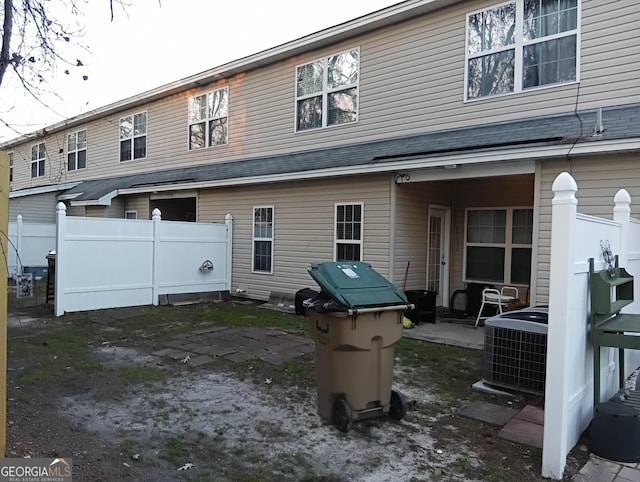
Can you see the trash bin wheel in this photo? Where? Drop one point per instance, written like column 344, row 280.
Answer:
column 341, row 414
column 397, row 406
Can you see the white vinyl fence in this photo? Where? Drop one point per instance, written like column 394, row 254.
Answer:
column 110, row 263
column 575, row 238
column 29, row 244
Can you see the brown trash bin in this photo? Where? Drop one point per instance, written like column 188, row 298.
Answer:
column 354, row 360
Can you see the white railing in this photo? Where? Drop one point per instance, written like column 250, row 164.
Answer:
column 29, row 244
column 109, row 263
column 575, row 238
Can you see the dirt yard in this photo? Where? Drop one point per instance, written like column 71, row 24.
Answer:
column 88, row 386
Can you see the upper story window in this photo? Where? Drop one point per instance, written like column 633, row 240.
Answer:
column 11, row 167
column 208, row 119
column 133, row 137
column 77, row 150
column 38, row 160
column 263, row 239
column 520, row 45
column 327, row 91
column 348, row 232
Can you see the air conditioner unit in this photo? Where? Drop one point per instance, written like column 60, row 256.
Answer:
column 515, row 350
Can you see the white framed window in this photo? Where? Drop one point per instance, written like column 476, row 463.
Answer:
column 38, row 160
column 77, row 150
column 520, row 45
column 10, row 167
column 133, row 137
column 131, row 214
column 348, row 231
column 327, row 91
column 262, row 239
column 208, row 119
column 498, row 244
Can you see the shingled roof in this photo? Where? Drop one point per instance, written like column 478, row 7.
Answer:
column 569, row 129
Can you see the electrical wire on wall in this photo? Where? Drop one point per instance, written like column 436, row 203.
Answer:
column 577, row 139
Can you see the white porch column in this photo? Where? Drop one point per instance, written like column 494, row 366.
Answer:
column 559, row 340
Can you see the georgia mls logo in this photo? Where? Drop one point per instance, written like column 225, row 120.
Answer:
column 59, row 468
column 35, row 470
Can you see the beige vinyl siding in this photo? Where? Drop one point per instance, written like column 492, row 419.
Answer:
column 39, row 208
column 115, row 210
column 411, row 224
column 76, row 211
column 598, row 180
column 411, row 81
column 303, row 227
column 140, row 204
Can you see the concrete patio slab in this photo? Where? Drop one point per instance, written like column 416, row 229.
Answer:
column 166, row 352
column 525, row 428
column 531, row 414
column 180, row 355
column 238, row 357
column 488, row 412
column 449, row 332
column 205, row 349
column 200, row 360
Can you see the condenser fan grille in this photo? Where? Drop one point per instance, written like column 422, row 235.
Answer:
column 516, row 357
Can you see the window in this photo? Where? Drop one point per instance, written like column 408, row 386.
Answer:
column 208, row 119
column 348, row 242
column 38, row 158
column 520, row 45
column 263, row 239
column 133, row 137
column 327, row 91
column 498, row 245
column 11, row 167
column 131, row 214
column 77, row 150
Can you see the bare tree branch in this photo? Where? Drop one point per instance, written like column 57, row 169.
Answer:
column 7, row 29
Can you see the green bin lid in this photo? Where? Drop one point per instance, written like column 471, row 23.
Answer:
column 355, row 284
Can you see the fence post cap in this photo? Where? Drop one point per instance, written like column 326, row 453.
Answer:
column 564, row 182
column 622, row 197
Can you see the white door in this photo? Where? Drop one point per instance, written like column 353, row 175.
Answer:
column 438, row 254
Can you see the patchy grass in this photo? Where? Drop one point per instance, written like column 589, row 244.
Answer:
column 139, row 374
column 54, row 357
column 61, row 351
column 451, row 369
column 176, row 450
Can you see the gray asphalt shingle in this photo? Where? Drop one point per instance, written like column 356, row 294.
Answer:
column 622, row 122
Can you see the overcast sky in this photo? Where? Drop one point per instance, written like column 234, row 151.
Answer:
column 156, row 42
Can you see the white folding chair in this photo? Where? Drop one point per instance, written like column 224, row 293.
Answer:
column 502, row 298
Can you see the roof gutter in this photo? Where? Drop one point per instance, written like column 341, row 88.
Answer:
column 42, row 190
